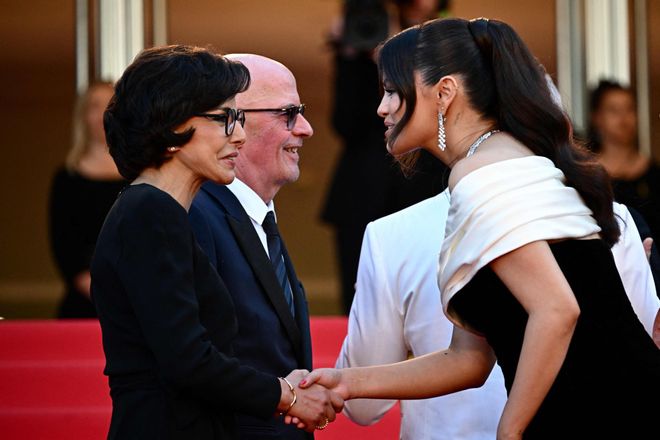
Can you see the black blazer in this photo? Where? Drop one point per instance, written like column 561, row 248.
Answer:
column 269, row 338
column 168, row 321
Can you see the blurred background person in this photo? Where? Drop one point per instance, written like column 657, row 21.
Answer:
column 635, row 177
column 613, row 137
column 82, row 192
column 367, row 183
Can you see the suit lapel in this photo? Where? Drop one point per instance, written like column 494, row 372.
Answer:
column 249, row 242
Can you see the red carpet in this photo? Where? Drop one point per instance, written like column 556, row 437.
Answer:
column 52, row 385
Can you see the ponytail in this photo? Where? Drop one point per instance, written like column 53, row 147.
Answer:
column 506, row 83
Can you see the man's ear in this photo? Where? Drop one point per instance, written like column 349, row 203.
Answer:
column 445, row 89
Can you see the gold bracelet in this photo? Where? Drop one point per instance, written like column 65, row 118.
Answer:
column 293, row 391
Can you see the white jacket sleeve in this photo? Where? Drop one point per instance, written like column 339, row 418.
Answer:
column 634, row 269
column 375, row 325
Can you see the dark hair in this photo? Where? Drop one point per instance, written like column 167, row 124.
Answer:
column 505, row 83
column 596, row 98
column 161, row 89
column 396, row 65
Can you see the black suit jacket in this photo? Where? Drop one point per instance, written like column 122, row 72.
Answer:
column 269, row 337
column 167, row 322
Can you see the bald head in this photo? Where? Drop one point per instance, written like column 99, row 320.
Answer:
column 267, row 76
column 269, row 157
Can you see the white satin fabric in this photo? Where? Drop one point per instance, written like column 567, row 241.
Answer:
column 500, row 207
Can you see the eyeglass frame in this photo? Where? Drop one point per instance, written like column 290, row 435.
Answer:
column 229, row 118
column 291, row 111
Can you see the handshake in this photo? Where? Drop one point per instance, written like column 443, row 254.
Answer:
column 306, row 404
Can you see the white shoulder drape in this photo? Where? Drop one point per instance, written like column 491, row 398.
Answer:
column 501, row 207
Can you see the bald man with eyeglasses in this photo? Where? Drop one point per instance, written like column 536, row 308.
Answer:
column 236, row 225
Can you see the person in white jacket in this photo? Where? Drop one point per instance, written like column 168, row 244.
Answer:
column 396, row 313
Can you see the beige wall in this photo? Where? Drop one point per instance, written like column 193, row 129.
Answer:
column 36, row 97
column 534, row 21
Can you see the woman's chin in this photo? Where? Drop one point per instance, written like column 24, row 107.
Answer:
column 395, row 149
column 400, row 150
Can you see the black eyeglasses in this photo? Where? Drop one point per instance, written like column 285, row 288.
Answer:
column 291, row 113
column 229, row 118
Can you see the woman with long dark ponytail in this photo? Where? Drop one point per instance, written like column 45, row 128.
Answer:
column 526, row 273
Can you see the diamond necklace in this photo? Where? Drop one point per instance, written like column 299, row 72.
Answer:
column 478, row 142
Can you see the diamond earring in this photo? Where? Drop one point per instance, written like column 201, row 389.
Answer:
column 441, row 132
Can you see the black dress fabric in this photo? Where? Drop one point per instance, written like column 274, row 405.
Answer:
column 610, row 379
column 78, row 206
column 168, row 322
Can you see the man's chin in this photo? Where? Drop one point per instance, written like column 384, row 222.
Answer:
column 293, row 175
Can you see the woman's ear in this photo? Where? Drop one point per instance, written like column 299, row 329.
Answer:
column 446, row 89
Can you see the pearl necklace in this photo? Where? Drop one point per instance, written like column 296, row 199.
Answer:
column 478, row 142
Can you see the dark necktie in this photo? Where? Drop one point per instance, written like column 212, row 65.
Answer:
column 276, row 258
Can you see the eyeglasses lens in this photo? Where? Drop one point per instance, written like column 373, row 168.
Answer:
column 292, row 115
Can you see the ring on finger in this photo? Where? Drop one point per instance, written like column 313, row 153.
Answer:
column 323, row 425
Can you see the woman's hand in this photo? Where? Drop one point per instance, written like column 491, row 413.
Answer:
column 648, row 245
column 315, row 406
column 327, row 379
column 656, row 330
column 83, row 282
column 330, row 378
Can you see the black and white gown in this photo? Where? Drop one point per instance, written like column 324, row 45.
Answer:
column 609, row 383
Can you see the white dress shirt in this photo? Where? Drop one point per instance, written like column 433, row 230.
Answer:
column 397, row 311
column 254, row 206
column 631, row 261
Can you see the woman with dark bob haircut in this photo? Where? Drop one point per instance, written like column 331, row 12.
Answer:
column 526, row 272
column 167, row 318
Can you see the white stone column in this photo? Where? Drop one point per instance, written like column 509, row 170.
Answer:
column 82, row 45
column 121, row 35
column 642, row 77
column 570, row 60
column 159, row 13
column 607, row 41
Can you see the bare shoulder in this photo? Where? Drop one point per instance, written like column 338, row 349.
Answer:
column 497, row 148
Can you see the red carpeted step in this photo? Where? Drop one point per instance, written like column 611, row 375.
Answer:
column 50, row 340
column 55, row 424
column 328, row 334
column 52, row 385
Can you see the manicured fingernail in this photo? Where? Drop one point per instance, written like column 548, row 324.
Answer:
column 303, row 382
